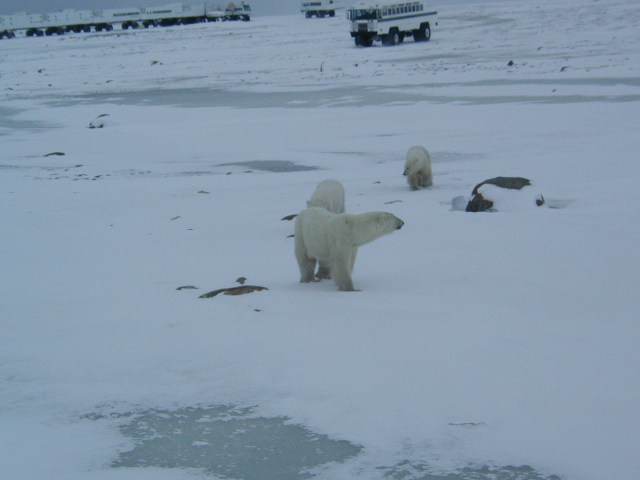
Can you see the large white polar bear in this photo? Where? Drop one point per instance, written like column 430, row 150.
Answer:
column 333, row 240
column 417, row 168
column 329, row 194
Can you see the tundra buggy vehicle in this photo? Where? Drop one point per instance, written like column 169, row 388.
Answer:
column 390, row 22
column 319, row 8
column 242, row 11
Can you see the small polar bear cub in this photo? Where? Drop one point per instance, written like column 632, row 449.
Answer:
column 329, row 194
column 333, row 239
column 417, row 168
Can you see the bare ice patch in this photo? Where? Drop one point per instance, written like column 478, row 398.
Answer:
column 277, row 166
column 226, row 441
column 9, row 122
column 407, row 470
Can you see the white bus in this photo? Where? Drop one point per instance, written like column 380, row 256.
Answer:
column 320, row 8
column 390, row 22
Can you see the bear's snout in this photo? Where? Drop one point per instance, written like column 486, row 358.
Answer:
column 399, row 224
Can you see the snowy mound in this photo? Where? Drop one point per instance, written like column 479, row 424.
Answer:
column 511, row 200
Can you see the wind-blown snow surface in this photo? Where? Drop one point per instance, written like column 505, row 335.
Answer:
column 478, row 341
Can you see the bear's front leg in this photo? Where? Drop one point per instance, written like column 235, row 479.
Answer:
column 341, row 266
column 414, row 181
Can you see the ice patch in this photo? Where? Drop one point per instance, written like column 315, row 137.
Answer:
column 227, row 441
column 406, row 470
column 277, row 166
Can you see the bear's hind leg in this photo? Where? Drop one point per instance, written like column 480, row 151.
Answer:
column 426, row 179
column 307, row 268
column 306, row 264
column 324, row 271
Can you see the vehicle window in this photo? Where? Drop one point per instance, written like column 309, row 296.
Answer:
column 363, row 14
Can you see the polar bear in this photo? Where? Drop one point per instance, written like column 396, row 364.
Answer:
column 417, row 168
column 333, row 239
column 329, row 194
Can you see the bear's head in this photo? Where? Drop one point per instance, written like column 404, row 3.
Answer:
column 411, row 166
column 387, row 222
column 366, row 227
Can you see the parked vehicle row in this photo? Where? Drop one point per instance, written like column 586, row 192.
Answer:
column 71, row 20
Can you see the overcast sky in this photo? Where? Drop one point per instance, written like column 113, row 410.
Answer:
column 259, row 7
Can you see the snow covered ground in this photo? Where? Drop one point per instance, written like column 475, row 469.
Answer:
column 481, row 345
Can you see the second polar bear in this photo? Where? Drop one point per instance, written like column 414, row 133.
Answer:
column 332, row 240
column 329, row 194
column 417, row 168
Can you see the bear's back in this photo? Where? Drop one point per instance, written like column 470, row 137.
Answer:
column 328, row 194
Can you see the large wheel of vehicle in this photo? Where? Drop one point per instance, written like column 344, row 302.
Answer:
column 427, row 33
column 332, row 13
column 422, row 35
column 393, row 38
column 320, row 14
column 363, row 41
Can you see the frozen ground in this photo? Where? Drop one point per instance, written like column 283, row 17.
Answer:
column 481, row 345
